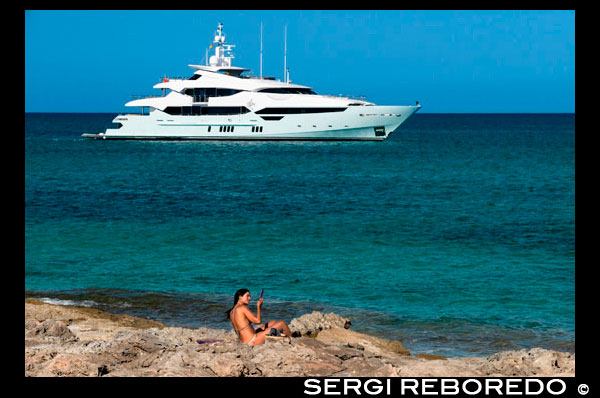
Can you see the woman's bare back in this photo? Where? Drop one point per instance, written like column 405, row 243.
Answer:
column 241, row 323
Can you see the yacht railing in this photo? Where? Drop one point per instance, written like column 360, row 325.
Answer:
column 258, row 77
column 358, row 97
column 349, row 96
column 141, row 96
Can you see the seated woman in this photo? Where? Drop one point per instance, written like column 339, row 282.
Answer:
column 242, row 318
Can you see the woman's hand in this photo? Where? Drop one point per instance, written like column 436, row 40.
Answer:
column 259, row 303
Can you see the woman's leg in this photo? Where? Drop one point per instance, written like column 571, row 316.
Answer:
column 259, row 338
column 279, row 325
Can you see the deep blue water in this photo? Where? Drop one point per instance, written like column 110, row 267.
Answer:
column 456, row 235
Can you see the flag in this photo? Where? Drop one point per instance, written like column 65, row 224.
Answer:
column 211, row 46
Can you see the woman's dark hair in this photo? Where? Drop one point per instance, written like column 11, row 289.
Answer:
column 236, row 297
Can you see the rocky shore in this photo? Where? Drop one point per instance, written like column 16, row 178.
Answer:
column 84, row 342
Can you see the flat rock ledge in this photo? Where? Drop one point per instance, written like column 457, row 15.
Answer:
column 83, row 342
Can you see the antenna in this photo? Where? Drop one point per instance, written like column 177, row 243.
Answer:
column 285, row 55
column 261, row 47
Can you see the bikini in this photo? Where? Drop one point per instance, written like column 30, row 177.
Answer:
column 249, row 342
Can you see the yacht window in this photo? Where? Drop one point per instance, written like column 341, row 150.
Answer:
column 286, row 111
column 206, row 110
column 198, row 94
column 225, row 92
column 201, row 94
column 173, row 110
column 224, row 110
column 287, row 90
column 210, row 92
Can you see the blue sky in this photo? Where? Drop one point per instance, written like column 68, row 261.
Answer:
column 449, row 61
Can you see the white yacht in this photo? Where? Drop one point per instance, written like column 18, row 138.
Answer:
column 218, row 102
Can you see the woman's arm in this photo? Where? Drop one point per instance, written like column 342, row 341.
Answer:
column 250, row 315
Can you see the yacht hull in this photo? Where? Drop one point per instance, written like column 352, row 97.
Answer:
column 356, row 123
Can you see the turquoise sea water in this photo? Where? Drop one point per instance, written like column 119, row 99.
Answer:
column 456, row 235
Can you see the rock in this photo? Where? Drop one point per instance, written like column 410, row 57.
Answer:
column 372, row 345
column 67, row 341
column 49, row 330
column 311, row 324
column 357, row 367
column 431, row 357
column 535, row 362
column 69, row 365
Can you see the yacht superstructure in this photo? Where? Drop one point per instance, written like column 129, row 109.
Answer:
column 218, row 103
